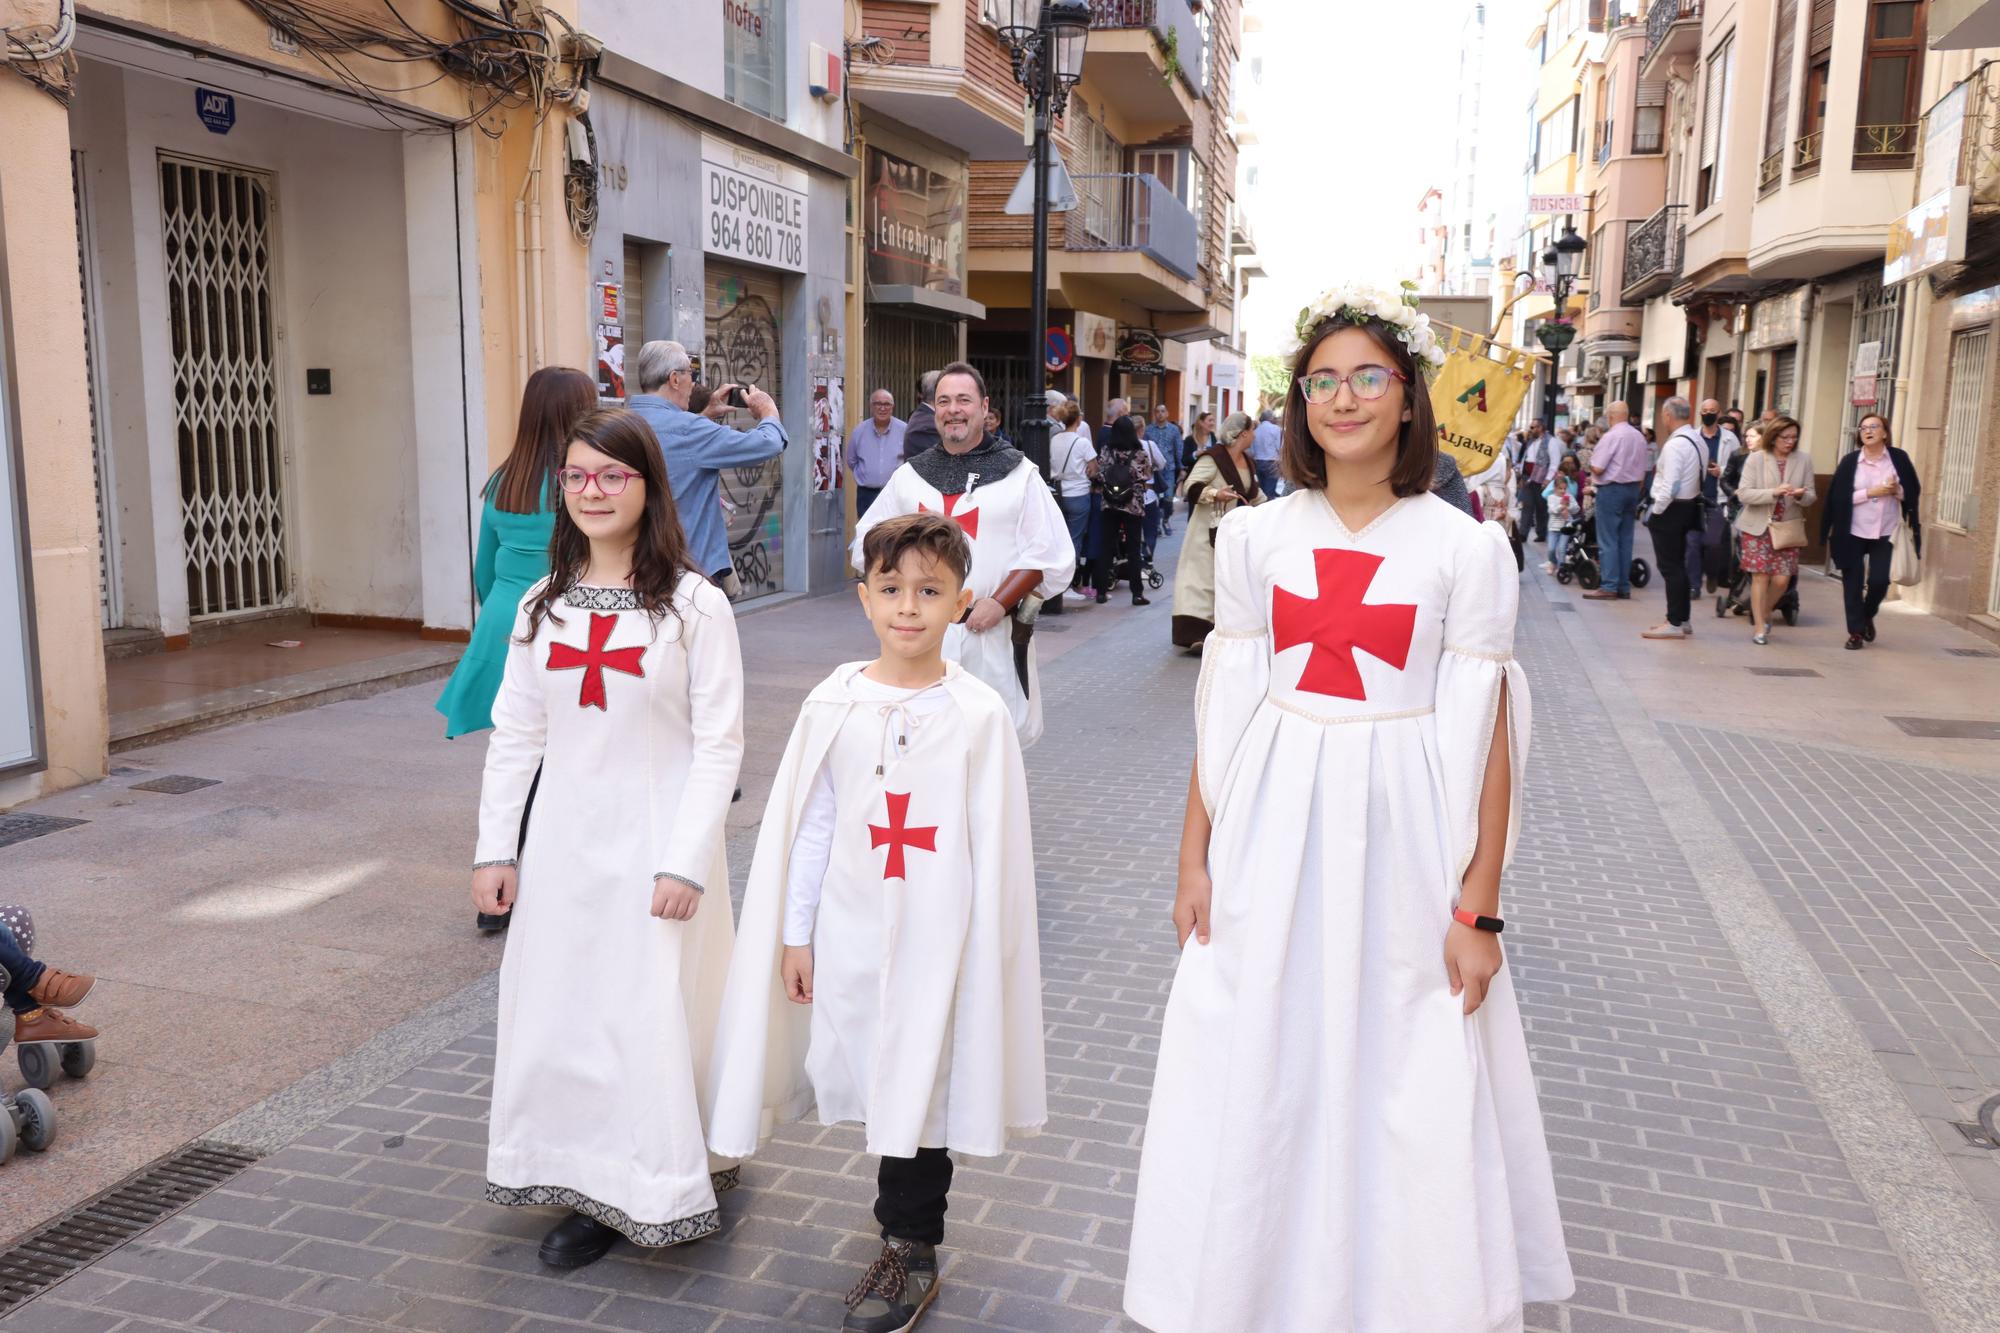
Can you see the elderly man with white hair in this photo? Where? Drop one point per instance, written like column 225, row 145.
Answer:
column 1677, row 511
column 698, row 447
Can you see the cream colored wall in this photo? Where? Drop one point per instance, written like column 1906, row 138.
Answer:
column 1722, row 230
column 54, row 406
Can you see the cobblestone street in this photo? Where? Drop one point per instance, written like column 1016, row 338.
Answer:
column 1755, row 1025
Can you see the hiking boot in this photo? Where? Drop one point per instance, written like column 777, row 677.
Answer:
column 895, row 1291
column 47, row 1027
column 64, row 990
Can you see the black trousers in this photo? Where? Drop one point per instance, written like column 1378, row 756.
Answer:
column 1118, row 557
column 1534, row 511
column 910, row 1196
column 1671, row 527
column 1864, row 579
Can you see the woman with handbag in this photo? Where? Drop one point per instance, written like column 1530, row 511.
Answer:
column 1221, row 479
column 1776, row 487
column 1070, row 453
column 1870, row 525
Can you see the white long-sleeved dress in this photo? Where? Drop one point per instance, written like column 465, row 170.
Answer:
column 1332, row 1143
column 607, row 1012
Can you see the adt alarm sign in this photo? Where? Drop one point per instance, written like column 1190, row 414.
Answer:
column 217, row 110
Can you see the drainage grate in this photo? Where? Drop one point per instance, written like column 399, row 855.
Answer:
column 175, row 784
column 1972, row 652
column 19, row 828
column 1949, row 728
column 88, row 1233
column 1974, row 1135
column 1784, row 671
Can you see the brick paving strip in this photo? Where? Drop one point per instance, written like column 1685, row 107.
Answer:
column 1703, row 1175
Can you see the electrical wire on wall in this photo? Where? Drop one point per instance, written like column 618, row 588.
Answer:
column 42, row 54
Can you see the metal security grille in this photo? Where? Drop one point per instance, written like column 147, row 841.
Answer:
column 1965, row 406
column 110, row 603
column 898, row 350
column 1878, row 318
column 1784, row 380
column 217, row 222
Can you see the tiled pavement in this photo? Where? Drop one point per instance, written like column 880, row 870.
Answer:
column 1701, row 1186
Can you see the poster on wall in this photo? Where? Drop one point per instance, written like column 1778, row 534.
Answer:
column 916, row 224
column 829, row 410
column 610, row 361
column 754, row 206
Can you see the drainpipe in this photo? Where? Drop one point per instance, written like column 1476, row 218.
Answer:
column 520, row 295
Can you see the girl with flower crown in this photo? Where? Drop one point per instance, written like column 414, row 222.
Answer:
column 1344, row 1132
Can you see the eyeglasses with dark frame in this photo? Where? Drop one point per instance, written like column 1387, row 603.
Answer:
column 610, row 480
column 1368, row 383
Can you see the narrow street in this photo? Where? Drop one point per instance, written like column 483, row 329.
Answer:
column 1752, row 930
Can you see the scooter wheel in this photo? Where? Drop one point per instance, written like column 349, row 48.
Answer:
column 38, row 1066
column 1564, row 576
column 10, row 1137
column 1642, row 573
column 38, row 1119
column 79, row 1058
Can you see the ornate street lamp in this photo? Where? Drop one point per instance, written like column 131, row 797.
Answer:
column 1046, row 39
column 1561, row 261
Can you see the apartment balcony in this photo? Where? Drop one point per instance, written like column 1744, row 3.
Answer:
column 1885, row 147
column 1673, row 31
column 1133, row 212
column 1147, row 58
column 1128, row 248
column 1653, row 254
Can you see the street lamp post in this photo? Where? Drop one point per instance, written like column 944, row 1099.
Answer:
column 1046, row 39
column 1560, row 261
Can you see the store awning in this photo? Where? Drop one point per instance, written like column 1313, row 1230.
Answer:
column 925, row 299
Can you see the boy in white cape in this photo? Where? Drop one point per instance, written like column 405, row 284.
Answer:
column 886, row 963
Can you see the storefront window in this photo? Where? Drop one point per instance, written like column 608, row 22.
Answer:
column 753, row 55
column 742, row 315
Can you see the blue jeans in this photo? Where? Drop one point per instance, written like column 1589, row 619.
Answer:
column 1076, row 513
column 1617, row 514
column 23, row 971
column 1558, row 546
column 1267, row 477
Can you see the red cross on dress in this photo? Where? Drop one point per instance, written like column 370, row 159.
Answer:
column 969, row 520
column 594, row 659
column 1337, row 622
column 899, row 835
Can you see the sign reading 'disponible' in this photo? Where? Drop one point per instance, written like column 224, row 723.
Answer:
column 756, row 206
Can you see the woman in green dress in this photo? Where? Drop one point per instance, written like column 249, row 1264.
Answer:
column 514, row 531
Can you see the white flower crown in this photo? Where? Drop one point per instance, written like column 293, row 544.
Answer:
column 1397, row 309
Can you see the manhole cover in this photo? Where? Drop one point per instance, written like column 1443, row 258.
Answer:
column 1972, row 652
column 1949, row 728
column 1784, row 671
column 88, row 1233
column 19, row 828
column 175, row 784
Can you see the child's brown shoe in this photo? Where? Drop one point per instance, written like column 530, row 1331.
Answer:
column 64, row 990
column 47, row 1027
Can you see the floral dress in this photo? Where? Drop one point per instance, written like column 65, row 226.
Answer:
column 1760, row 557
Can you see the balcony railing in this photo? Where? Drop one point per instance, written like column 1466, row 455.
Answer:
column 1978, row 164
column 1661, row 18
column 1806, row 151
column 1653, row 254
column 1770, row 172
column 1172, row 21
column 1884, row 147
column 1133, row 211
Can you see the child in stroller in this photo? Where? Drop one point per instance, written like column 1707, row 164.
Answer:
column 1563, row 498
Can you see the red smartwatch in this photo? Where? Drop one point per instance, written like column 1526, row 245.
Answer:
column 1478, row 922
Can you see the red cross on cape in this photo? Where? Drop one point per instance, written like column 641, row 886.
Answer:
column 969, row 519
column 594, row 660
column 1336, row 622
column 899, row 836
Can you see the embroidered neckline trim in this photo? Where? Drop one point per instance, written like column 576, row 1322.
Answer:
column 586, row 598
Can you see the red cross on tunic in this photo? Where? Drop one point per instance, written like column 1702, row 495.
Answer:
column 969, row 520
column 1336, row 622
column 594, row 659
column 899, row 835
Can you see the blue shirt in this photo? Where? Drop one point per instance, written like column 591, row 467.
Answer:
column 696, row 450
column 1267, row 443
column 1168, row 436
column 873, row 456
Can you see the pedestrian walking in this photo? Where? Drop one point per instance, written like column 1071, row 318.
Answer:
column 697, row 447
column 1165, row 436
column 1264, row 451
column 1123, row 472
column 1617, row 466
column 1871, row 504
column 993, row 428
column 624, row 685
column 1676, row 512
column 1221, row 479
column 1344, row 1131
column 875, row 449
column 1708, row 544
column 1021, row 552
column 1159, row 500
column 891, row 905
column 1564, row 501
column 1199, row 438
column 1069, row 475
column 1775, row 489
column 1540, row 452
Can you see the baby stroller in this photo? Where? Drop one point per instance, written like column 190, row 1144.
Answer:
column 1581, row 560
column 28, row 1118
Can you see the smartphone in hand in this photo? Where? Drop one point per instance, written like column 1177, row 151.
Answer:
column 737, row 398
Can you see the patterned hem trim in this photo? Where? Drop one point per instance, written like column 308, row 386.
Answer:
column 601, row 599
column 1484, row 657
column 1278, row 703
column 652, row 1235
column 481, row 865
column 1236, row 634
column 680, row 879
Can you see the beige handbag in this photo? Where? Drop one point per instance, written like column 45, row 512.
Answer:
column 1787, row 534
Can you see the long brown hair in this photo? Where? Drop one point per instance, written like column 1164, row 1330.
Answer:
column 1302, row 460
column 660, row 555
column 555, row 399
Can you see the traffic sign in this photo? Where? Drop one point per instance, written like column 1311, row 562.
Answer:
column 1057, row 350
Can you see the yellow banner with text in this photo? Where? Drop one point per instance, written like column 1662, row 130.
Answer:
column 1475, row 396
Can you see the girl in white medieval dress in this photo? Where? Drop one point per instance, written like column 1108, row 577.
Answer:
column 1344, row 1133
column 624, row 684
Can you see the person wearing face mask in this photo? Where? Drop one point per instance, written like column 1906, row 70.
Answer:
column 1708, row 550
column 1021, row 549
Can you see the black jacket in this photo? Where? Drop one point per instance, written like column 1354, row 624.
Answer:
column 1836, row 517
column 921, row 433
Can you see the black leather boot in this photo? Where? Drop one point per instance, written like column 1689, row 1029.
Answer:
column 489, row 922
column 577, row 1240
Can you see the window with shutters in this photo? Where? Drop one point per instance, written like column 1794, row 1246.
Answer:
column 1649, row 117
column 1714, row 116
column 1892, row 72
column 1556, row 136
column 1965, row 409
column 1776, row 129
column 1808, row 148
column 1784, row 379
